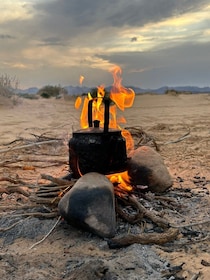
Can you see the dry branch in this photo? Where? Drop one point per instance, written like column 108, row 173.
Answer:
column 13, row 189
column 17, row 207
column 144, row 238
column 131, row 219
column 11, row 180
column 13, row 225
column 196, row 276
column 40, row 241
column 37, row 214
column 148, row 213
column 28, row 145
column 6, row 162
column 57, row 181
column 191, row 225
column 142, row 138
column 51, row 193
column 186, row 135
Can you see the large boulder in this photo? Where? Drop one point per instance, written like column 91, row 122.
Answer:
column 146, row 167
column 90, row 205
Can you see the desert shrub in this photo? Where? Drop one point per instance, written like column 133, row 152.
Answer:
column 28, row 95
column 171, row 92
column 5, row 92
column 8, row 86
column 51, row 91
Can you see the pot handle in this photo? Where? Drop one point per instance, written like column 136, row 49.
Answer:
column 106, row 114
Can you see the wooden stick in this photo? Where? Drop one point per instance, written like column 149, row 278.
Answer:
column 13, row 225
column 186, row 135
column 11, row 180
column 17, row 207
column 12, row 189
column 144, row 238
column 37, row 214
column 52, row 200
column 191, row 225
column 57, row 181
column 196, row 276
column 43, row 239
column 51, row 189
column 131, row 219
column 28, row 145
column 148, row 213
column 6, row 162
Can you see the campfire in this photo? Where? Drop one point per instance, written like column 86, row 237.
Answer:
column 98, row 153
column 107, row 172
column 44, row 186
column 101, row 145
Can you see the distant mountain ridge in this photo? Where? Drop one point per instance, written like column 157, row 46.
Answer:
column 78, row 90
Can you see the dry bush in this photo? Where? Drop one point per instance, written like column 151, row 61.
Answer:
column 8, row 85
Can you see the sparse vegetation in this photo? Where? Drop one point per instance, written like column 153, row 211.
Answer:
column 8, row 85
column 28, row 95
column 52, row 91
column 176, row 92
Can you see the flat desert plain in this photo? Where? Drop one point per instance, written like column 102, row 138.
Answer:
column 180, row 125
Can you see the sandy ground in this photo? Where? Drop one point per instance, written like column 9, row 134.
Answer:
column 167, row 119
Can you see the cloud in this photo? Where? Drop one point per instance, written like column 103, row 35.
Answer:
column 6, row 36
column 186, row 64
column 134, row 39
column 52, row 41
column 115, row 13
column 105, row 24
column 63, row 39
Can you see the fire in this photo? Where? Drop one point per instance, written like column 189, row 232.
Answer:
column 123, row 97
column 81, row 79
column 119, row 98
column 121, row 182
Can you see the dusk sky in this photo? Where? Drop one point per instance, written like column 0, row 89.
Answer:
column 155, row 42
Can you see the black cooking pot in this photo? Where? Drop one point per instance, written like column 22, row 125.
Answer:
column 96, row 149
column 93, row 150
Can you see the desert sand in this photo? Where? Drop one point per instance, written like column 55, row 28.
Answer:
column 180, row 125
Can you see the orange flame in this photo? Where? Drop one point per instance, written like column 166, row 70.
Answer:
column 123, row 97
column 120, row 97
column 121, row 182
column 81, row 79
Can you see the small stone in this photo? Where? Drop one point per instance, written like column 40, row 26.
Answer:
column 146, row 167
column 90, row 205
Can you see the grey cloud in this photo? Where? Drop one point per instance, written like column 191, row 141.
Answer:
column 6, row 36
column 187, row 64
column 94, row 23
column 83, row 22
column 52, row 41
column 134, row 39
column 116, row 13
column 88, row 22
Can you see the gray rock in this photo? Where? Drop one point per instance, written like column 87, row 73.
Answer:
column 90, row 205
column 146, row 167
